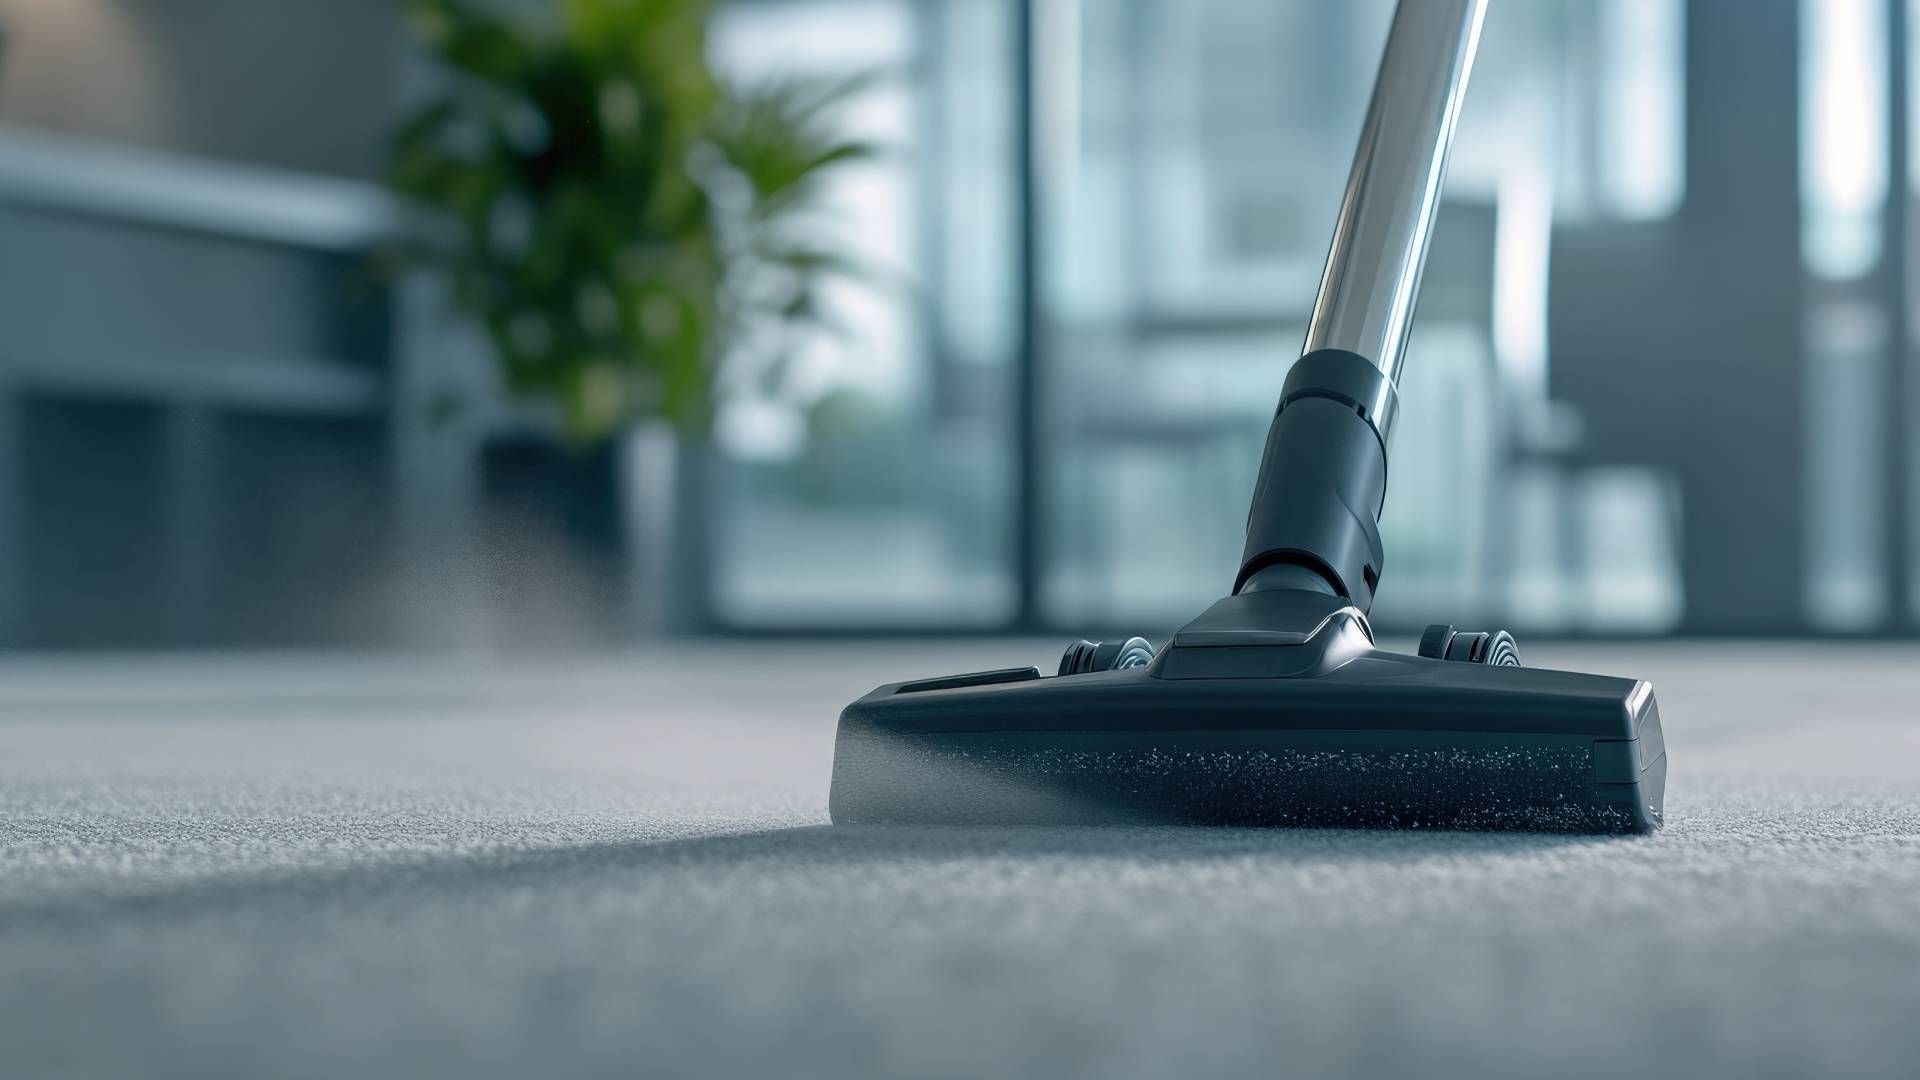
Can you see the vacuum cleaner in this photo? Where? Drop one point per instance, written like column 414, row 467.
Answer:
column 1274, row 706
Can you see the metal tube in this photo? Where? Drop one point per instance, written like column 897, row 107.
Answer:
column 1372, row 279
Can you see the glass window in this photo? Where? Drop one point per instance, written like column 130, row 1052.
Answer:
column 873, row 486
column 1843, row 191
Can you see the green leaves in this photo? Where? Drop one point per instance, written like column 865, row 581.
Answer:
column 779, row 135
column 471, row 40
column 622, row 224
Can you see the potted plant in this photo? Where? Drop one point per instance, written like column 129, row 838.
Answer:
column 637, row 236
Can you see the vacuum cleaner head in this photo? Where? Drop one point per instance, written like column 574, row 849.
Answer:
column 1274, row 707
column 1236, row 727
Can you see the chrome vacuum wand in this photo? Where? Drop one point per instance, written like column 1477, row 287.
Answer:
column 1323, row 480
column 1379, row 249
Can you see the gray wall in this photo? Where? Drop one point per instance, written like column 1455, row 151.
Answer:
column 303, row 84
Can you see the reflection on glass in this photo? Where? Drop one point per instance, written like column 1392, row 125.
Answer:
column 1843, row 124
column 1642, row 97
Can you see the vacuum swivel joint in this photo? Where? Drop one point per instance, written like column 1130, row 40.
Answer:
column 1315, row 521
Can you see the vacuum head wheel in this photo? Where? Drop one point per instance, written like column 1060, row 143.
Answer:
column 1443, row 642
column 1083, row 656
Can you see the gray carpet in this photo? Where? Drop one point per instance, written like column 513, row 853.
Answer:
column 352, row 868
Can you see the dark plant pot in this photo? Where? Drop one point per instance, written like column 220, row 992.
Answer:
column 553, row 543
column 585, row 547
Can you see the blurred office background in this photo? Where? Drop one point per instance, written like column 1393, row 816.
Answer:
column 1661, row 380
